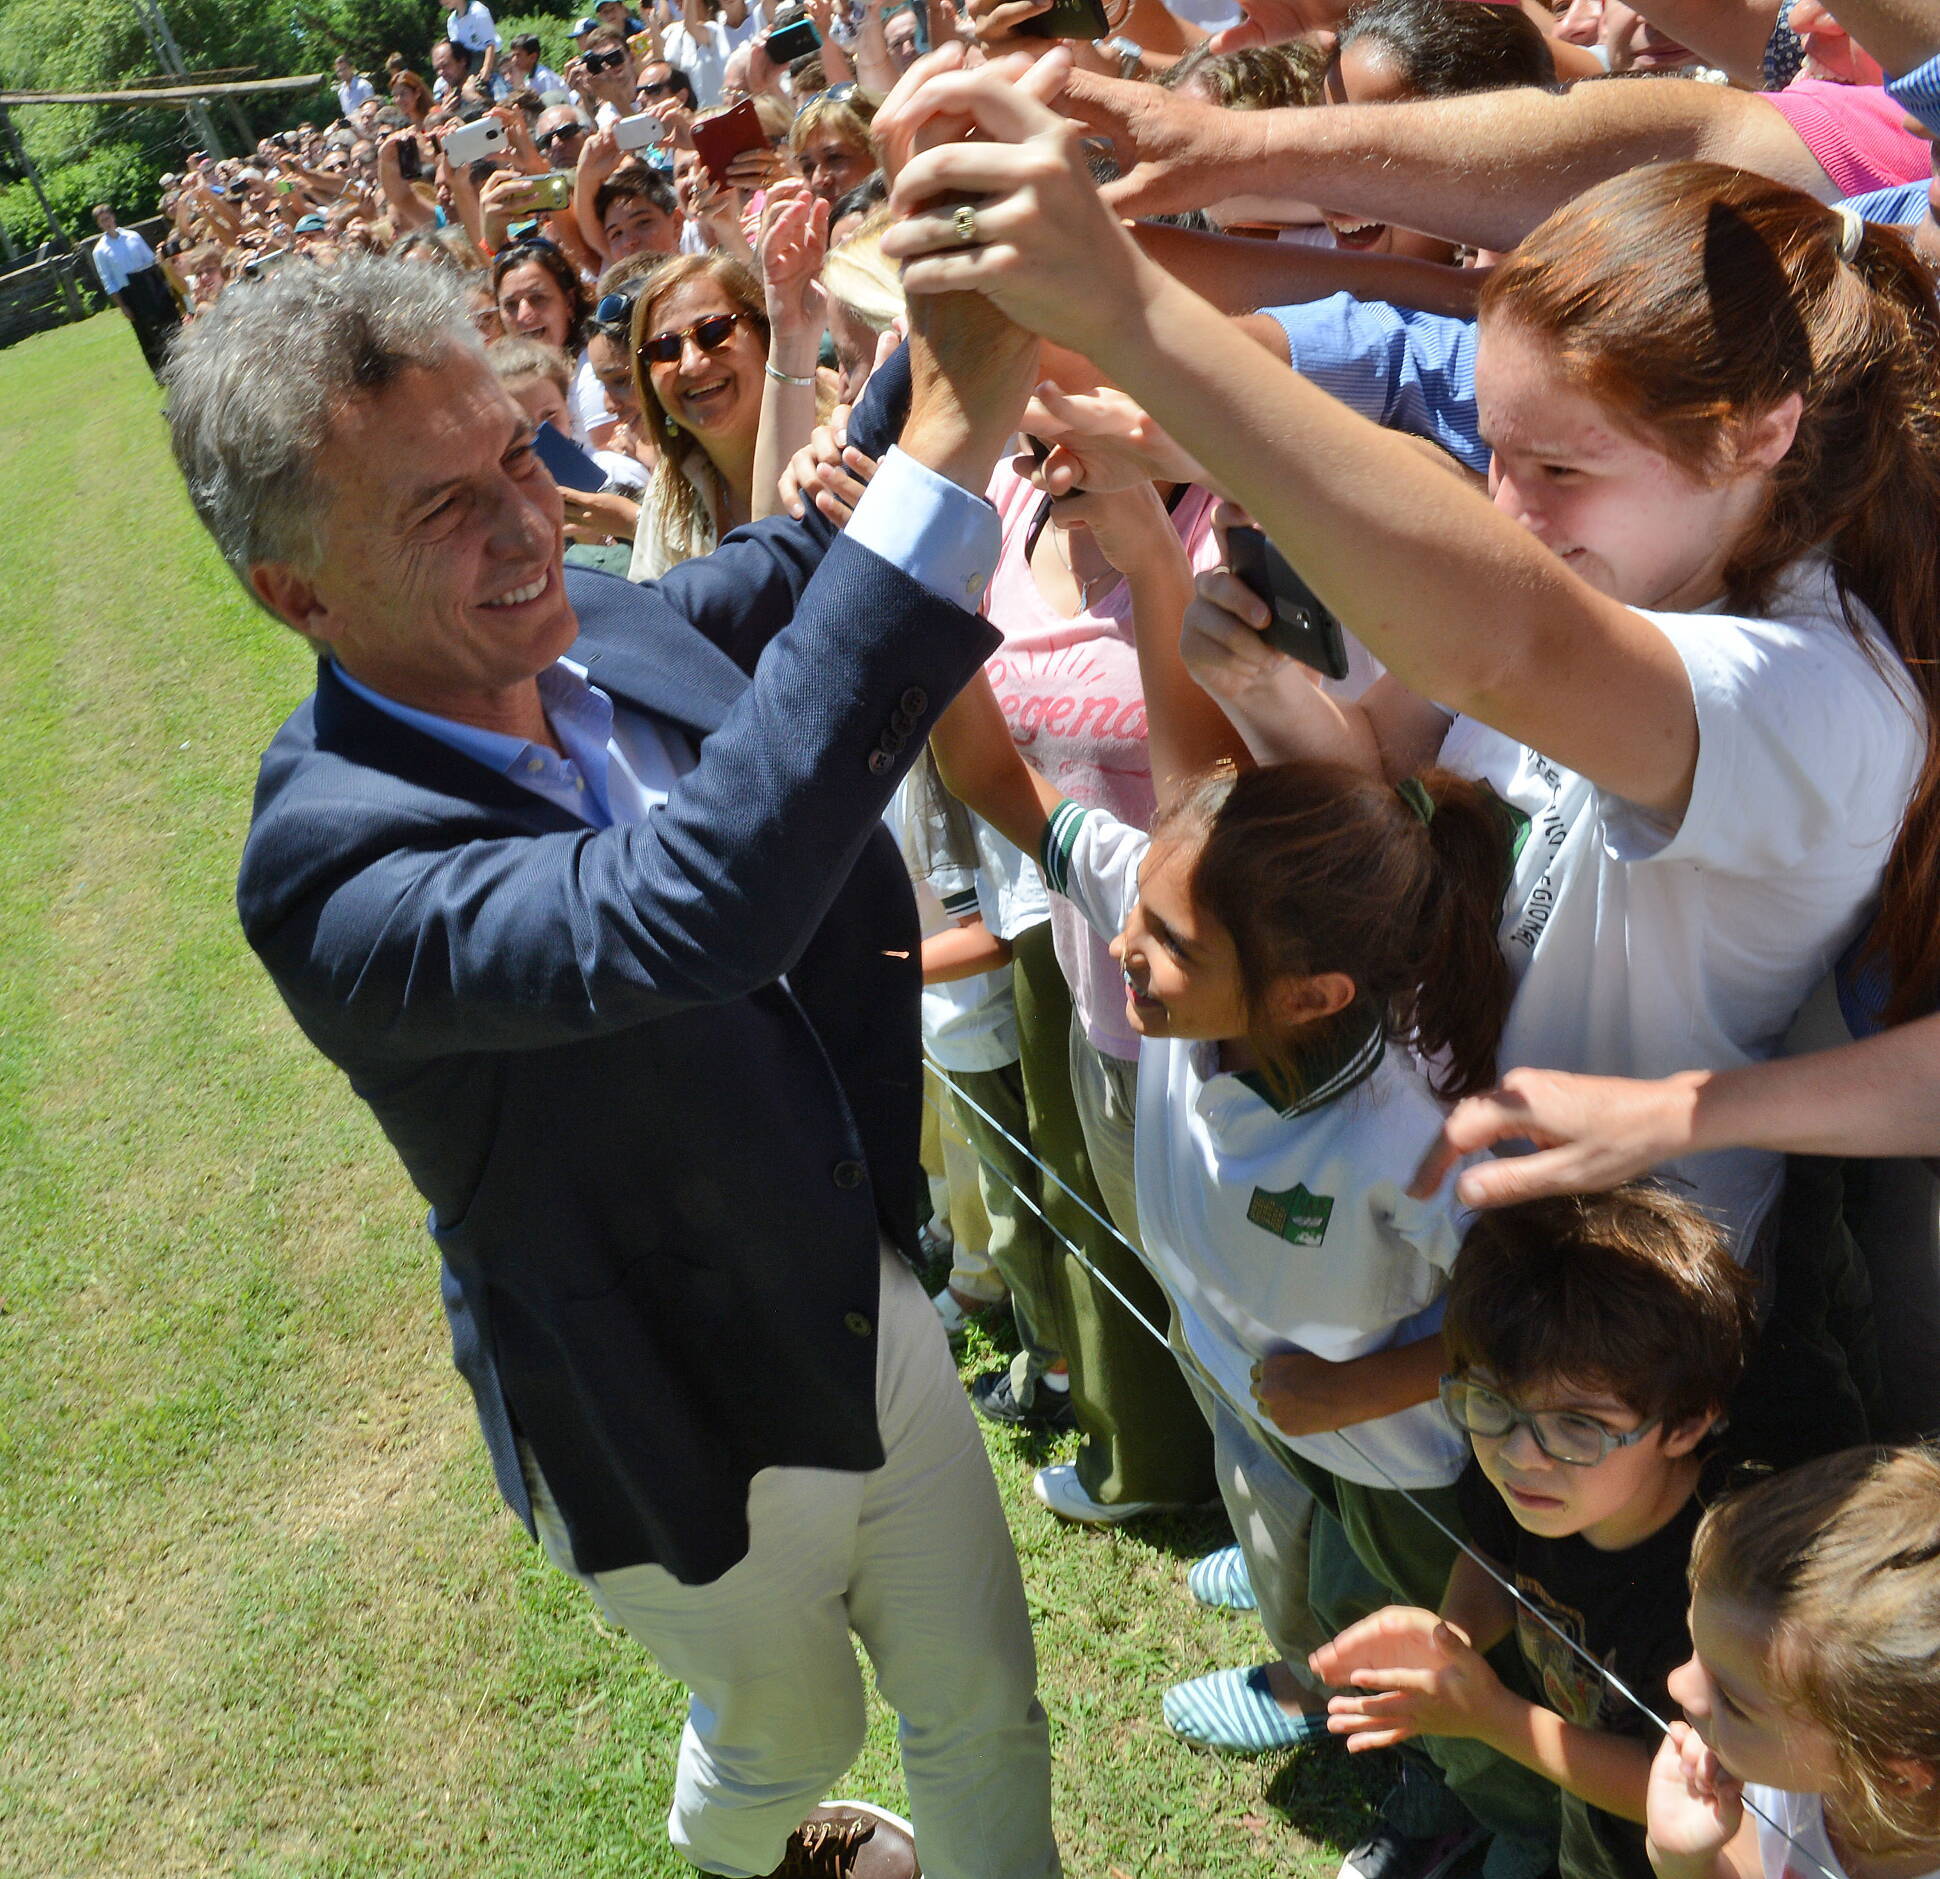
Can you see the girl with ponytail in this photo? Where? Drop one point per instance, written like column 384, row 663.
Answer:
column 1691, row 633
column 1309, row 958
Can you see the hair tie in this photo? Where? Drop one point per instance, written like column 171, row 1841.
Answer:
column 1415, row 795
column 1852, row 230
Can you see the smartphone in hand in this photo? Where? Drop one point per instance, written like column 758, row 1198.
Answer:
column 1301, row 626
column 1068, row 19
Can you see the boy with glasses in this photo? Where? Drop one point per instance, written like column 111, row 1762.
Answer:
column 1593, row 1344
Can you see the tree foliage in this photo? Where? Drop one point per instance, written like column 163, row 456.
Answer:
column 87, row 152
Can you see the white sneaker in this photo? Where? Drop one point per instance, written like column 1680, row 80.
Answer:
column 956, row 1320
column 1060, row 1490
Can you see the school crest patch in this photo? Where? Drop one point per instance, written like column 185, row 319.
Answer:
column 1293, row 1214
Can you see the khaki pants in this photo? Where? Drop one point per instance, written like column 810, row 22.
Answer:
column 916, row 1561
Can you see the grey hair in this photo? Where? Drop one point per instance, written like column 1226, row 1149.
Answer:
column 255, row 382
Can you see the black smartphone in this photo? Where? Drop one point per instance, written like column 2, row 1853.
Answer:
column 796, row 40
column 1068, row 19
column 571, row 467
column 1301, row 626
column 410, row 161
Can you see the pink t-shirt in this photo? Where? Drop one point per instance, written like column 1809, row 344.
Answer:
column 1071, row 695
column 1856, row 132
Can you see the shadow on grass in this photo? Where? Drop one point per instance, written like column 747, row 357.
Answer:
column 1329, row 1795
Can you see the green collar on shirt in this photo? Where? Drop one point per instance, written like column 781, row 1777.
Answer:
column 1346, row 1055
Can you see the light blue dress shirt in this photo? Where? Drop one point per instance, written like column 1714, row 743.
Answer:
column 1918, row 93
column 620, row 764
column 1406, row 370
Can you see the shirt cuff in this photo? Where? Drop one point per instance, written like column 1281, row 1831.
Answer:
column 934, row 530
column 1918, row 92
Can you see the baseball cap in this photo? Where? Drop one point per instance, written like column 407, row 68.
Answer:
column 590, row 24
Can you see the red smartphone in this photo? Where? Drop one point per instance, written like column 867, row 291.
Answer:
column 719, row 140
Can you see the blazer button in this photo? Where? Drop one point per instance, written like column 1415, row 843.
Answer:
column 848, row 1174
column 916, row 701
column 858, row 1324
column 902, row 723
column 881, row 762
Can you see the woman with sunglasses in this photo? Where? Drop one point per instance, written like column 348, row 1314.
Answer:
column 702, row 333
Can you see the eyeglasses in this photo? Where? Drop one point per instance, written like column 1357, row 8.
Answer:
column 656, row 87
column 1563, row 1435
column 707, row 334
column 558, row 132
column 603, row 61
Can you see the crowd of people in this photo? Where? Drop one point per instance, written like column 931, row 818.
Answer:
column 1377, row 570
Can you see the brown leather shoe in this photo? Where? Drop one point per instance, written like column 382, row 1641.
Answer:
column 850, row 1840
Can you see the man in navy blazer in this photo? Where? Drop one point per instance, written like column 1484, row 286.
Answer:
column 584, row 887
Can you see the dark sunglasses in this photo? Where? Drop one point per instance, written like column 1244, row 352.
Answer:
column 844, row 90
column 708, row 334
column 656, row 87
column 557, row 132
column 603, row 61
column 613, row 310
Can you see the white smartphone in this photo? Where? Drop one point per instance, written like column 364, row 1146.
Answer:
column 469, row 142
column 640, row 132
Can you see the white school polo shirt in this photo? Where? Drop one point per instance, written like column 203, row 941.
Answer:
column 1277, row 1229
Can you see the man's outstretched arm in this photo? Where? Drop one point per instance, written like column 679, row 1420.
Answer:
column 1483, row 170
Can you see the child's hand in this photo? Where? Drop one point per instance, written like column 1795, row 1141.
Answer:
column 1692, row 1806
column 1412, row 1673
column 1306, row 1395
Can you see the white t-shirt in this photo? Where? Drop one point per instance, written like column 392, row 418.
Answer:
column 1273, row 1231
column 968, row 1024
column 358, row 90
column 704, row 59
column 588, row 402
column 1803, row 1817
column 1639, row 951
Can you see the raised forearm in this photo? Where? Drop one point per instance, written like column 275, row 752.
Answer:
column 963, row 953
column 1877, row 1097
column 1486, row 170
column 1238, row 275
column 970, row 372
column 1462, row 605
column 1608, row 1771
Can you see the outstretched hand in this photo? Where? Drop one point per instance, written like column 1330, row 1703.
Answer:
column 1407, row 1672
column 1038, row 241
column 1173, row 152
column 1591, row 1133
column 793, row 241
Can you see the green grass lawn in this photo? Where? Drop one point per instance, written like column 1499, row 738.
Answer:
column 261, row 1611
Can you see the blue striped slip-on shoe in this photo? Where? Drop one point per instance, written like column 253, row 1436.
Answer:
column 1220, row 1580
column 1234, row 1711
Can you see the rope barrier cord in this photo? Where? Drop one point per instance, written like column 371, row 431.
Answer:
column 1521, row 1601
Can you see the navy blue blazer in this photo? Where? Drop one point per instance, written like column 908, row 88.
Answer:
column 659, row 1083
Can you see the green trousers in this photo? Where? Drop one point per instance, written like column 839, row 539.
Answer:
column 1144, row 1439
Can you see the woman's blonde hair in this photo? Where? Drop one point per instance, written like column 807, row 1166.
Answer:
column 674, row 498
column 862, row 278
column 847, row 118
column 1843, row 1556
